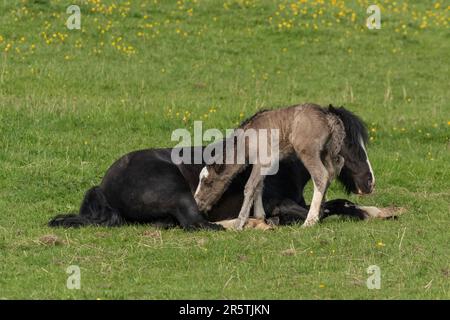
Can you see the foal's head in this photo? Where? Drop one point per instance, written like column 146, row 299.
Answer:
column 208, row 193
column 357, row 174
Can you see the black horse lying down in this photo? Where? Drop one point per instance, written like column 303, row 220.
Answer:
column 147, row 187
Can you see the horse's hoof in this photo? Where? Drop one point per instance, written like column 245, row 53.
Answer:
column 205, row 226
column 214, row 227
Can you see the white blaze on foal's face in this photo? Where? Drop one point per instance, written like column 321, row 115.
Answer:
column 203, row 175
column 368, row 162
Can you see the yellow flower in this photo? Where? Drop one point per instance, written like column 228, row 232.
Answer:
column 321, row 285
column 448, row 123
column 380, row 244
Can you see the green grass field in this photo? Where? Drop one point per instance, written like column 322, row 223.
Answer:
column 73, row 101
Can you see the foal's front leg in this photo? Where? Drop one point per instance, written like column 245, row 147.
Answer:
column 321, row 179
column 251, row 189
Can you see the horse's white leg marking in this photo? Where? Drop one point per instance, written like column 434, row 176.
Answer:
column 368, row 162
column 372, row 212
column 203, row 174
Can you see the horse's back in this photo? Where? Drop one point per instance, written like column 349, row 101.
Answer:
column 144, row 185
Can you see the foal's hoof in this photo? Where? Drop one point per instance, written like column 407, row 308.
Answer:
column 239, row 224
column 309, row 223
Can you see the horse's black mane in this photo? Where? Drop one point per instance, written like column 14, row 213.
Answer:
column 355, row 128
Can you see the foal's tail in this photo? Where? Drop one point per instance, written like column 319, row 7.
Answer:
column 95, row 210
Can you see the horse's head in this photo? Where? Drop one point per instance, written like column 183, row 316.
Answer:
column 356, row 174
column 208, row 193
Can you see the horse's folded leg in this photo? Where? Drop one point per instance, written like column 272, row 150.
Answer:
column 204, row 226
column 252, row 223
column 342, row 207
column 288, row 212
column 189, row 217
column 227, row 224
column 259, row 224
column 382, row 213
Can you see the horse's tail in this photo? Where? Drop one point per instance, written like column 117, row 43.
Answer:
column 95, row 210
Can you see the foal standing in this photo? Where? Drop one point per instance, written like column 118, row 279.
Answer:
column 314, row 135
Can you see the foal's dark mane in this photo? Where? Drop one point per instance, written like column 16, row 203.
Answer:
column 355, row 128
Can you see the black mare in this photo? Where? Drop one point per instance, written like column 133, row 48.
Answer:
column 147, row 187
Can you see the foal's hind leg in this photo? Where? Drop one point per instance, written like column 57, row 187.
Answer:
column 251, row 187
column 258, row 207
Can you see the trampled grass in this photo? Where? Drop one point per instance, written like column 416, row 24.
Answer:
column 73, row 101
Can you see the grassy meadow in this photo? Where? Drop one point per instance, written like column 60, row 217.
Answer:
column 73, row 101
